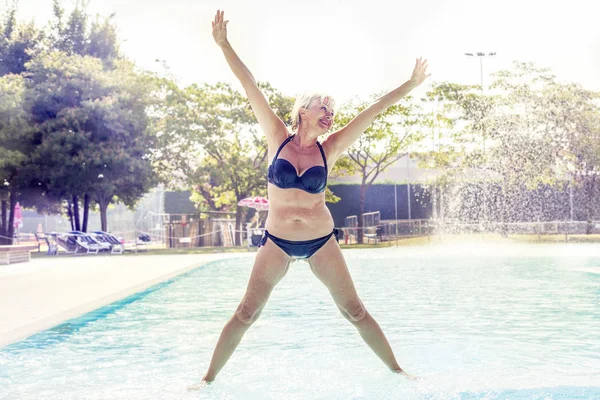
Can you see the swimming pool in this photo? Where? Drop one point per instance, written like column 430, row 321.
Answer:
column 516, row 322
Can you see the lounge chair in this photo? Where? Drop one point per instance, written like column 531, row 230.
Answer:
column 116, row 245
column 93, row 240
column 85, row 242
column 88, row 247
column 42, row 238
column 143, row 241
column 100, row 240
column 66, row 241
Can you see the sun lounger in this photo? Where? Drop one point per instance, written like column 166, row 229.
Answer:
column 44, row 238
column 66, row 241
column 101, row 241
column 116, row 245
column 88, row 247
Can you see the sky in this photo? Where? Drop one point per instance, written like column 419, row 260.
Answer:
column 353, row 48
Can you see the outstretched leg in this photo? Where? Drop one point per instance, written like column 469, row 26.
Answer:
column 329, row 266
column 270, row 265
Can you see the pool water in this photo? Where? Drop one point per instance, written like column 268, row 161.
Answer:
column 474, row 322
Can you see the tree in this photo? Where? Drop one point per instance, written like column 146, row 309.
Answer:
column 208, row 142
column 22, row 43
column 523, row 151
column 15, row 143
column 18, row 43
column 572, row 114
column 92, row 128
column 76, row 35
column 535, row 130
column 382, row 144
column 446, row 123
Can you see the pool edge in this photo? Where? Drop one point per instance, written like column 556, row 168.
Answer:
column 24, row 331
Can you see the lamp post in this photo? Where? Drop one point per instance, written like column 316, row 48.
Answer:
column 396, row 211
column 396, row 202
column 408, row 182
column 481, row 55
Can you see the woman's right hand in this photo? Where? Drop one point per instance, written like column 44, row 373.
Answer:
column 220, row 28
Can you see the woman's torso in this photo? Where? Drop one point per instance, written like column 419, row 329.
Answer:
column 296, row 214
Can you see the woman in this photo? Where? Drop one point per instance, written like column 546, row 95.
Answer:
column 299, row 224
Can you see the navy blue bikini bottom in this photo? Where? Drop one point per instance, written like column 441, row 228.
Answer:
column 298, row 248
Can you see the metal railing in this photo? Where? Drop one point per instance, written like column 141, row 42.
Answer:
column 387, row 231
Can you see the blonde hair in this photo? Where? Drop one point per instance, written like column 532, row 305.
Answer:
column 304, row 101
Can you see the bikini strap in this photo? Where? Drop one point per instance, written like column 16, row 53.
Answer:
column 323, row 154
column 281, row 146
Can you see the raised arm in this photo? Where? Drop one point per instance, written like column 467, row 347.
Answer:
column 270, row 123
column 341, row 140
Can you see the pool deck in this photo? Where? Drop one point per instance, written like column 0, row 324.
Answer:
column 45, row 292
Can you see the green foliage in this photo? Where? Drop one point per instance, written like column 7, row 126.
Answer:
column 91, row 126
column 15, row 138
column 18, row 43
column 344, row 166
column 536, row 132
column 77, row 35
column 207, row 140
column 76, row 118
column 384, row 142
column 454, row 125
column 77, row 125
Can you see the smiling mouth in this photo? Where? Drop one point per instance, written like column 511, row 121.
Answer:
column 324, row 123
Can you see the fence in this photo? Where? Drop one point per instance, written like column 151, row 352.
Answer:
column 539, row 228
column 391, row 230
column 387, row 231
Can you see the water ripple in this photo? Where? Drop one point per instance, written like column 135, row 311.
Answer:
column 473, row 326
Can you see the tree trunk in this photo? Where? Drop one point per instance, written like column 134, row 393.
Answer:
column 103, row 219
column 76, row 212
column 3, row 223
column 504, row 214
column 433, row 216
column 103, row 201
column 363, row 195
column 86, row 209
column 589, row 209
column 70, row 214
column 11, row 217
column 441, row 203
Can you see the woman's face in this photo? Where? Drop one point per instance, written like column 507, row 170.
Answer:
column 319, row 115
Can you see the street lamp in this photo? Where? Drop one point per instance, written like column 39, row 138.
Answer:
column 481, row 55
column 408, row 184
column 408, row 194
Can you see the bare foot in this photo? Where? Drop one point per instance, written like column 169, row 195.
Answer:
column 197, row 386
column 205, row 382
column 407, row 375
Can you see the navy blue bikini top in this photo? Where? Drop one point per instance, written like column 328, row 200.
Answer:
column 283, row 174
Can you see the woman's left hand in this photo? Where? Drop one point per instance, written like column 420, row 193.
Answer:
column 420, row 72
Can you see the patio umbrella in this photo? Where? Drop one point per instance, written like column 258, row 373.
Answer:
column 257, row 202
column 18, row 221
